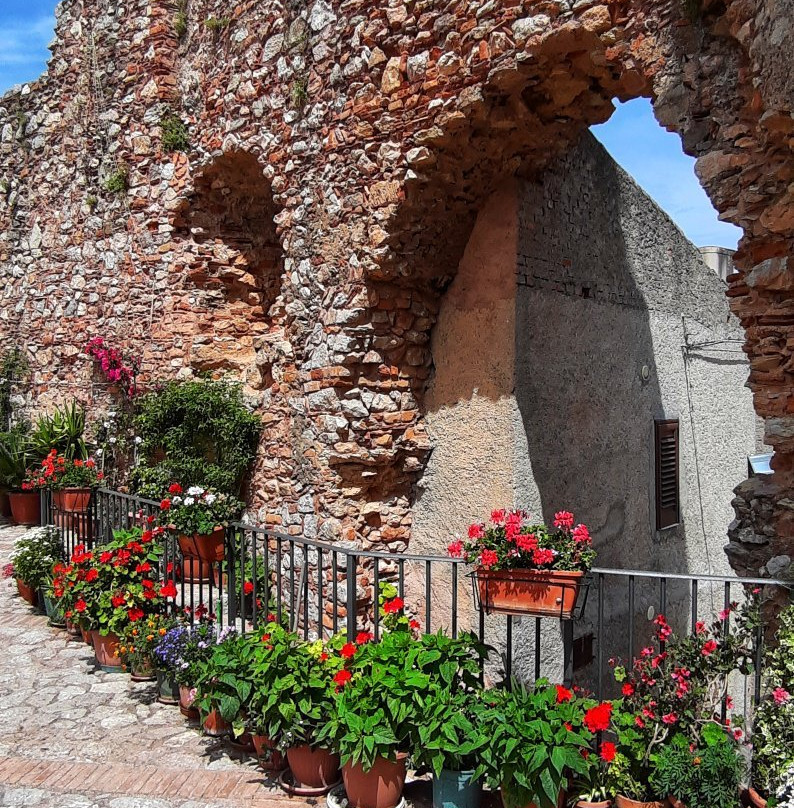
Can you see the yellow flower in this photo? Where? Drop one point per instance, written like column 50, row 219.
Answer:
column 162, row 632
column 149, row 637
column 123, row 649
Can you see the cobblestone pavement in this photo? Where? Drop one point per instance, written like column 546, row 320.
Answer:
column 75, row 737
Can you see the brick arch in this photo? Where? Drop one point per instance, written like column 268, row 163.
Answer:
column 233, row 254
column 527, row 111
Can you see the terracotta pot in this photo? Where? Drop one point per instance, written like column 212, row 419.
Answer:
column 207, row 548
column 167, row 688
column 56, row 497
column 5, row 505
column 145, row 674
column 625, row 802
column 675, row 802
column 215, row 725
column 105, row 649
column 195, row 571
column 586, row 804
column 88, row 639
column 26, row 592
column 25, row 507
column 560, row 800
column 75, row 500
column 313, row 768
column 270, row 759
column 243, row 743
column 380, row 787
column 753, row 798
column 541, row 592
column 73, row 629
column 186, row 704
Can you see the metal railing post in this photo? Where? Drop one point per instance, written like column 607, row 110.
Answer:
column 351, row 567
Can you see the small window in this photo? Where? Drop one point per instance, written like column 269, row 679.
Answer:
column 667, row 494
column 759, row 464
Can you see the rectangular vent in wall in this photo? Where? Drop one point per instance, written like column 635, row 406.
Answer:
column 666, row 442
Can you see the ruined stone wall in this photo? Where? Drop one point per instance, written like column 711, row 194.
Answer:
column 379, row 129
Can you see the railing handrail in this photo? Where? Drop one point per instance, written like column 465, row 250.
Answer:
column 411, row 557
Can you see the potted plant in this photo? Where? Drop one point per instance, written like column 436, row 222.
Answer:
column 224, row 684
column 137, row 643
column 378, row 707
column 168, row 655
column 51, row 594
column 120, row 587
column 773, row 724
column 293, row 697
column 531, row 741
column 703, row 775
column 33, row 560
column 16, row 455
column 446, row 730
column 75, row 483
column 525, row 568
column 199, row 517
column 676, row 686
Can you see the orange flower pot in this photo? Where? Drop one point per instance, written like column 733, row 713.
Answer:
column 551, row 593
column 25, row 507
column 625, row 802
column 186, row 704
column 87, row 636
column 380, row 787
column 26, row 592
column 270, row 758
column 75, row 500
column 313, row 768
column 195, row 571
column 208, row 548
column 105, row 650
column 215, row 725
column 586, row 804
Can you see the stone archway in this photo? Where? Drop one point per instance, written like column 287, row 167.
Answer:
column 236, row 260
column 528, row 110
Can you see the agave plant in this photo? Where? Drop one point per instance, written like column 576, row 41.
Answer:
column 16, row 455
column 63, row 431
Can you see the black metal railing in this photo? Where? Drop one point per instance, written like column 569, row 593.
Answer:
column 319, row 588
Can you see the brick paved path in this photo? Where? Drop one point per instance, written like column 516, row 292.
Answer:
column 72, row 736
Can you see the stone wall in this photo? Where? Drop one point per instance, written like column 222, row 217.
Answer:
column 379, row 130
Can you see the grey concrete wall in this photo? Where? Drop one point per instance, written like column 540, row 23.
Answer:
column 539, row 398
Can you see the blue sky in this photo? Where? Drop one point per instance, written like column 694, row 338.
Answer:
column 650, row 154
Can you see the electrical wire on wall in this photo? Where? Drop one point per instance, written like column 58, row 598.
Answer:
column 686, row 350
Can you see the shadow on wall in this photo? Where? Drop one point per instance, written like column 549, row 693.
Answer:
column 539, row 398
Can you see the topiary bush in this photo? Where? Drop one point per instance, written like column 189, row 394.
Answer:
column 195, row 433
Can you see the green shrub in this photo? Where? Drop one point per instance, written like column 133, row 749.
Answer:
column 773, row 729
column 16, row 455
column 217, row 23
column 200, row 432
column 706, row 776
column 63, row 431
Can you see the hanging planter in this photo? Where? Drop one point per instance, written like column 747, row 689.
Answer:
column 547, row 593
column 74, row 500
column 207, row 548
column 25, row 507
column 524, row 568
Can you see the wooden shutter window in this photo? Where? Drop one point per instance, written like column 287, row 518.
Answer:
column 667, row 493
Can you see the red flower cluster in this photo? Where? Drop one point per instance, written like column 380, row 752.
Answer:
column 597, row 719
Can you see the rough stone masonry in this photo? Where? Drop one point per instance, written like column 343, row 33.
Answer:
column 336, row 157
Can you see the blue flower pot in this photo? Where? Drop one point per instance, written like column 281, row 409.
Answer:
column 455, row 790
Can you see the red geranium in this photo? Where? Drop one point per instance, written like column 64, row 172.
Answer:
column 597, row 719
column 342, row 677
column 348, row 650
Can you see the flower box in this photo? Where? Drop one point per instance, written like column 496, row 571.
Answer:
column 208, row 548
column 546, row 593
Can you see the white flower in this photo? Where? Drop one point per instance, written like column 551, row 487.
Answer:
column 189, row 500
column 210, row 498
column 138, row 439
column 106, row 425
column 195, row 491
column 99, row 452
column 176, row 500
column 111, row 440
